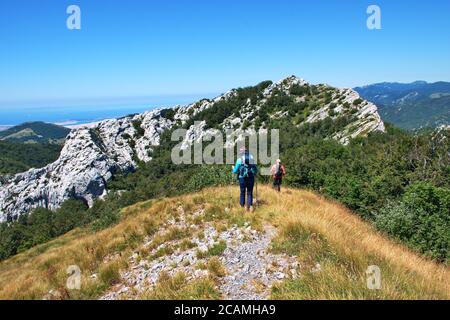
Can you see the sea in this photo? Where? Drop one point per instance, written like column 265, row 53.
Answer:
column 73, row 115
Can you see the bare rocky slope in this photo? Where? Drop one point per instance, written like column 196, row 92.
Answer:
column 91, row 156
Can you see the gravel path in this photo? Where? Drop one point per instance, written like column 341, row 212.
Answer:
column 251, row 269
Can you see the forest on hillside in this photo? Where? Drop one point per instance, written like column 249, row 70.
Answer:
column 18, row 157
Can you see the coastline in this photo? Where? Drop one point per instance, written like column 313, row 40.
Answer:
column 67, row 124
column 83, row 125
column 5, row 127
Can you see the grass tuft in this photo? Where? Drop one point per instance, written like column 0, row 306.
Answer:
column 216, row 268
column 110, row 274
column 216, row 250
column 179, row 288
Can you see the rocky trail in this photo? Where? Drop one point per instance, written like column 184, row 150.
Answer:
column 250, row 269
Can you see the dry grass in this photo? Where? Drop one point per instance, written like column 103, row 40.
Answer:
column 216, row 268
column 30, row 275
column 345, row 246
column 179, row 288
column 313, row 228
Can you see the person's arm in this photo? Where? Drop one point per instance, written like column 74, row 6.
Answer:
column 237, row 166
column 283, row 168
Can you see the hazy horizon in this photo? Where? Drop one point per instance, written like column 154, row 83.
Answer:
column 85, row 112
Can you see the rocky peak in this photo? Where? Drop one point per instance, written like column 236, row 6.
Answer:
column 285, row 85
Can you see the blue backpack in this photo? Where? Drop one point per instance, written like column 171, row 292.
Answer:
column 247, row 169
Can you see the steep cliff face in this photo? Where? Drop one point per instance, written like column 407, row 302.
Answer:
column 91, row 156
column 348, row 101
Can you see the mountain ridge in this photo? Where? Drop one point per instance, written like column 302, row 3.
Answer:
column 92, row 156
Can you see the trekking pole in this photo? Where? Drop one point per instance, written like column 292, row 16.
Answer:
column 257, row 201
column 230, row 190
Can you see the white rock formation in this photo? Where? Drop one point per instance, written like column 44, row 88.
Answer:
column 368, row 119
column 89, row 158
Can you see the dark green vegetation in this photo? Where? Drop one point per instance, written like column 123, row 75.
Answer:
column 398, row 180
column 35, row 132
column 19, row 157
column 392, row 179
column 30, row 145
column 233, row 106
column 421, row 218
column 272, row 113
column 42, row 225
column 411, row 106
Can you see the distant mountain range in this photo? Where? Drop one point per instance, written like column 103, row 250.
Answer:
column 410, row 105
column 35, row 132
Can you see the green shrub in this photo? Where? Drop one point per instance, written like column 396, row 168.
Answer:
column 357, row 102
column 137, row 126
column 421, row 219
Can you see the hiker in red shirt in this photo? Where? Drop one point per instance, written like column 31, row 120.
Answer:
column 278, row 171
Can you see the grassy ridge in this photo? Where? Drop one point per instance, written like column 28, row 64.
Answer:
column 38, row 132
column 313, row 228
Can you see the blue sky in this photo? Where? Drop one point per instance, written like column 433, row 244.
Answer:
column 134, row 49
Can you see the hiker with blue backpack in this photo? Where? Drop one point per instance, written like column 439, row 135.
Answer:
column 246, row 170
